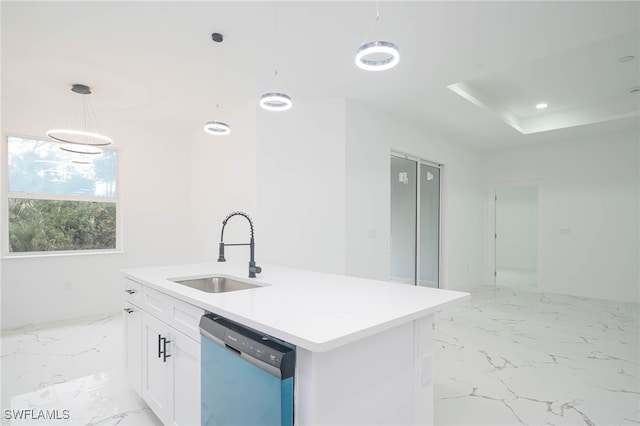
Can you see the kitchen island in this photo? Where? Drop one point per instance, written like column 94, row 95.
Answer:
column 364, row 348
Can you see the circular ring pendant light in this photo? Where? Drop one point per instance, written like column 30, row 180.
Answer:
column 275, row 101
column 79, row 137
column 86, row 118
column 217, row 128
column 81, row 149
column 377, row 56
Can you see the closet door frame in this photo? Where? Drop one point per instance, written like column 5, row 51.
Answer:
column 419, row 161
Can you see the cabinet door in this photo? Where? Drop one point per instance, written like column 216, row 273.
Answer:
column 156, row 368
column 186, row 380
column 132, row 325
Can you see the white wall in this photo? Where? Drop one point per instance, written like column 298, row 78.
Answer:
column 222, row 173
column 286, row 170
column 301, row 185
column 589, row 210
column 154, row 197
column 371, row 136
column 517, row 228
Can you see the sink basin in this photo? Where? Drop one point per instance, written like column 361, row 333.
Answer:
column 215, row 284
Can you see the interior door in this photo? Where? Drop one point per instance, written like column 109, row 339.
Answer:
column 429, row 249
column 404, row 185
column 415, row 222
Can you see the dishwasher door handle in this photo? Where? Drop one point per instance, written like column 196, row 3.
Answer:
column 232, row 349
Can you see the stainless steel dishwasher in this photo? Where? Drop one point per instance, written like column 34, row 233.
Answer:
column 247, row 377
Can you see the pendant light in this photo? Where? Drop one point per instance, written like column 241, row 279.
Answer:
column 377, row 55
column 217, row 128
column 276, row 100
column 81, row 149
column 81, row 123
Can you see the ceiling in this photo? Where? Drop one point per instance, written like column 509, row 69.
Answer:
column 470, row 72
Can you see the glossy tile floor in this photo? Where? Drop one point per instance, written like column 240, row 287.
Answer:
column 510, row 357
column 69, row 372
column 504, row 357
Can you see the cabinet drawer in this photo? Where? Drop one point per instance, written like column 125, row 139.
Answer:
column 186, row 318
column 156, row 303
column 180, row 315
column 132, row 292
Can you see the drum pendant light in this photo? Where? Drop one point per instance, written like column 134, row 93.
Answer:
column 81, row 125
column 377, row 55
column 217, row 128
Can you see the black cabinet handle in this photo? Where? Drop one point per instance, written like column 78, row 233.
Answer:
column 164, row 353
column 130, row 291
column 128, row 310
column 159, row 346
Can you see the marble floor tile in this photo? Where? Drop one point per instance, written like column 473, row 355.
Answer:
column 100, row 399
column 517, row 279
column 68, row 373
column 510, row 357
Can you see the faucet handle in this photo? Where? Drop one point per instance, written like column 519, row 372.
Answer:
column 254, row 269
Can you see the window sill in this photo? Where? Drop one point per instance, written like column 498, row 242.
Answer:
column 40, row 255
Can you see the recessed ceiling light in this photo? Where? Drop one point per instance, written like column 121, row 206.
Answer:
column 541, row 106
column 626, row 59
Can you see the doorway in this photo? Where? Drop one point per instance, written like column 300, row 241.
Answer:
column 415, row 221
column 516, row 236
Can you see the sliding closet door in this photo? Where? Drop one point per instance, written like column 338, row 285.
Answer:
column 403, row 219
column 429, row 225
column 415, row 222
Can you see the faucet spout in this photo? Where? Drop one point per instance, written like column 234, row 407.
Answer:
column 253, row 268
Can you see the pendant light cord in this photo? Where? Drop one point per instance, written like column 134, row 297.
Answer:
column 276, row 38
column 373, row 23
column 276, row 76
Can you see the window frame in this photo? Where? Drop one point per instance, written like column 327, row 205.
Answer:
column 6, row 195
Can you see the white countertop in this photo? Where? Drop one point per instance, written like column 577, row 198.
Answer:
column 312, row 310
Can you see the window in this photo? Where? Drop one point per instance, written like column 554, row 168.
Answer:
column 58, row 200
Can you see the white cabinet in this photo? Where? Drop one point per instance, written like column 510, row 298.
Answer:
column 155, row 373
column 163, row 335
column 185, row 379
column 132, row 320
column 171, row 373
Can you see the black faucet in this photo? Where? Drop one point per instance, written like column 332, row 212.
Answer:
column 253, row 269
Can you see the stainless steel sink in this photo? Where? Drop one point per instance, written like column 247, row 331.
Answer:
column 215, row 284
